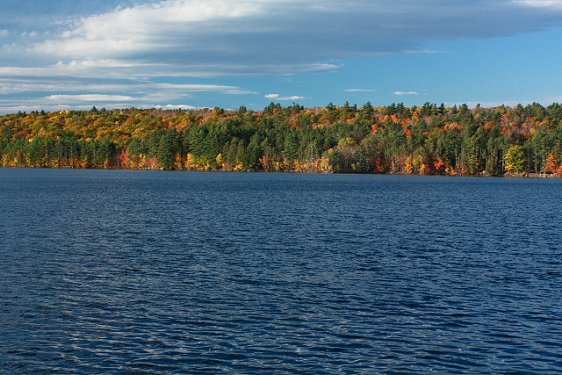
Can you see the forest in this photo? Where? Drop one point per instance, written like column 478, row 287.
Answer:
column 422, row 140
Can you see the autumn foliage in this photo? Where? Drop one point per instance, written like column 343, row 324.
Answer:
column 394, row 139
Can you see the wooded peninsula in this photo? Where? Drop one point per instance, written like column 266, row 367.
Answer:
column 424, row 140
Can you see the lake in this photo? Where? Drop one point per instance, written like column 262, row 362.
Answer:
column 169, row 272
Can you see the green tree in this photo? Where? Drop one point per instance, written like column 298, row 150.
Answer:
column 167, row 150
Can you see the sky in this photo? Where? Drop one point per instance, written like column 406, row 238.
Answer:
column 76, row 54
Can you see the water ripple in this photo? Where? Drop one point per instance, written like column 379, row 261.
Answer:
column 158, row 273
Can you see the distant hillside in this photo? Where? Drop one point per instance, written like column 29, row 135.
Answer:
column 429, row 139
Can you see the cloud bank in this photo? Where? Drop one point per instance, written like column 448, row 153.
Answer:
column 140, row 43
column 288, row 33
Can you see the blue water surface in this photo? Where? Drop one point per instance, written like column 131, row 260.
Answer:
column 169, row 272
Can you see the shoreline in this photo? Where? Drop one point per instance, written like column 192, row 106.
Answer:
column 507, row 175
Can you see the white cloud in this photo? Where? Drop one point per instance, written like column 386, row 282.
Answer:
column 77, row 103
column 402, row 93
column 142, row 27
column 283, row 98
column 31, row 82
column 540, row 3
column 174, row 106
column 90, row 98
column 228, row 90
column 219, row 37
column 40, row 92
column 16, row 85
column 101, row 63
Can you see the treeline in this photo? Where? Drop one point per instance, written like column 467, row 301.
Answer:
column 428, row 139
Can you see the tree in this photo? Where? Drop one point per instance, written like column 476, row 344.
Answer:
column 515, row 159
column 551, row 163
column 252, row 155
column 167, row 150
column 393, row 139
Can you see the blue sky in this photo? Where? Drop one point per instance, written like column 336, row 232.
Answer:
column 204, row 53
